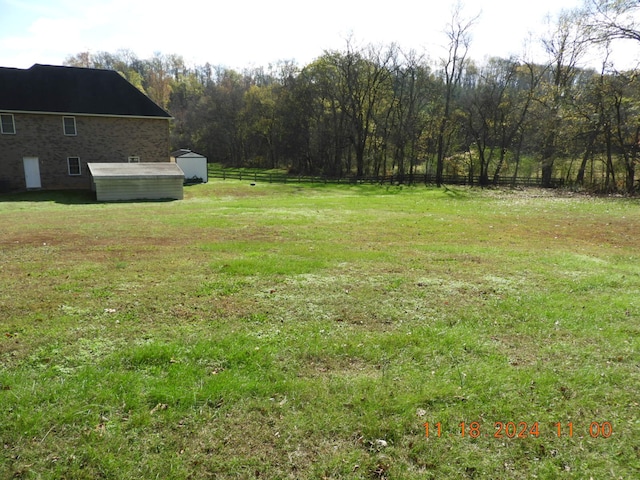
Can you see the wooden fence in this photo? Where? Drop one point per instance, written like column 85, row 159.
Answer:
column 233, row 174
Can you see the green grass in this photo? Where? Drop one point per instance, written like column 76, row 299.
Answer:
column 283, row 331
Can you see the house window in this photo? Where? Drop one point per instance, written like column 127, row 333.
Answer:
column 134, row 159
column 7, row 124
column 74, row 165
column 69, row 125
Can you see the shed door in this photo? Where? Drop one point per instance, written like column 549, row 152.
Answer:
column 32, row 172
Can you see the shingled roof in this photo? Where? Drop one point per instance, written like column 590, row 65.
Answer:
column 73, row 90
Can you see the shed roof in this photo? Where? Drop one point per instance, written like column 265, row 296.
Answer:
column 185, row 153
column 138, row 170
column 73, row 90
column 191, row 155
column 180, row 152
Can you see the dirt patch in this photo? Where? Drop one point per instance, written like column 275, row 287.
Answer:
column 327, row 366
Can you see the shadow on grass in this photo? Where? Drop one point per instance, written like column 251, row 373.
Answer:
column 65, row 197
column 455, row 192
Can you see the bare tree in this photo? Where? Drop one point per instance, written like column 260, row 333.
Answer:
column 612, row 19
column 459, row 35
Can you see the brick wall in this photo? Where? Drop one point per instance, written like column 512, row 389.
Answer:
column 98, row 139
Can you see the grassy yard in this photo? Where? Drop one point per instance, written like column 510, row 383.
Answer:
column 280, row 331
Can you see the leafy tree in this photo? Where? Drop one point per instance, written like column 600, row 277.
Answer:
column 364, row 81
column 328, row 138
column 593, row 115
column 124, row 62
column 413, row 90
column 158, row 78
column 185, row 98
column 260, row 125
column 566, row 46
column 626, row 109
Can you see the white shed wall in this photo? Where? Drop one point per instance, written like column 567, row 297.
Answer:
column 193, row 167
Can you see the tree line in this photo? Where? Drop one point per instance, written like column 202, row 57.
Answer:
column 379, row 109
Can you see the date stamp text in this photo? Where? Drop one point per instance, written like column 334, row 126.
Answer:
column 502, row 430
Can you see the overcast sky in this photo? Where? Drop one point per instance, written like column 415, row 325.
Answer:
column 240, row 34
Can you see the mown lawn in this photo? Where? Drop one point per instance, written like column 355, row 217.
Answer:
column 283, row 331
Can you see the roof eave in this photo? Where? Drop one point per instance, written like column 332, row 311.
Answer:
column 78, row 114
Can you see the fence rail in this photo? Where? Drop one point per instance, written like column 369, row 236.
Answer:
column 413, row 179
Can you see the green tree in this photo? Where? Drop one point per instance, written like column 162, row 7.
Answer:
column 626, row 109
column 321, row 89
column 123, row 61
column 566, row 46
column 364, row 80
column 186, row 95
column 260, row 125
column 413, row 90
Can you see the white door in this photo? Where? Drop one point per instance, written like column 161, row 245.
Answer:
column 32, row 172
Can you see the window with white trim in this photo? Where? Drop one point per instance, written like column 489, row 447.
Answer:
column 74, row 166
column 7, row 124
column 69, row 126
column 134, row 159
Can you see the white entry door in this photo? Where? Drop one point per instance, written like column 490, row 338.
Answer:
column 32, row 172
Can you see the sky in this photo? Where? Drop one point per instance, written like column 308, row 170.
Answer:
column 251, row 33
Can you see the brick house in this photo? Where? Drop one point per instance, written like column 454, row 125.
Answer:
column 54, row 120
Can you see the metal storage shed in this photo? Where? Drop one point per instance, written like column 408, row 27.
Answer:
column 137, row 181
column 192, row 164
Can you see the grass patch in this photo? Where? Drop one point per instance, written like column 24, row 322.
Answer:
column 286, row 331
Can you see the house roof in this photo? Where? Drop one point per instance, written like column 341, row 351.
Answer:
column 73, row 90
column 136, row 170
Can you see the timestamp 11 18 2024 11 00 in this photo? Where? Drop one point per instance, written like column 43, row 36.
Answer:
column 519, row 430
